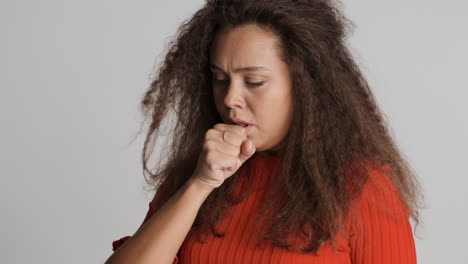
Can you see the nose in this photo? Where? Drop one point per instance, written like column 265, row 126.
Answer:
column 234, row 95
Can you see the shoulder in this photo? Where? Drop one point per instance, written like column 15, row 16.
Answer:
column 379, row 197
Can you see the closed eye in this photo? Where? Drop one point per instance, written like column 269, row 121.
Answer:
column 254, row 84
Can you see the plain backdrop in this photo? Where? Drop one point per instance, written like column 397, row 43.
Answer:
column 72, row 74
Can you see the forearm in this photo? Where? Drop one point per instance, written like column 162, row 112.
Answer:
column 161, row 237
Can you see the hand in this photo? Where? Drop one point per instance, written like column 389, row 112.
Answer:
column 221, row 158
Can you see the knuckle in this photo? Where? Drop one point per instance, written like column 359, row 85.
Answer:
column 218, row 126
column 208, row 134
column 209, row 159
column 208, row 146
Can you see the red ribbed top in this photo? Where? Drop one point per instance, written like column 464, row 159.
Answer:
column 373, row 235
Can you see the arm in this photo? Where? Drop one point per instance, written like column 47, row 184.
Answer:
column 159, row 239
column 380, row 232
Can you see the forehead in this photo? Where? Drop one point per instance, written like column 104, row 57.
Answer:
column 244, row 46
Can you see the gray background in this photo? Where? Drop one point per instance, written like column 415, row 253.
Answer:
column 72, row 74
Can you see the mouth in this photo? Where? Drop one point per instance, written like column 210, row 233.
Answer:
column 238, row 121
column 247, row 127
column 240, row 124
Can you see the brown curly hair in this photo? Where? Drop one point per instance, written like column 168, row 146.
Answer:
column 337, row 127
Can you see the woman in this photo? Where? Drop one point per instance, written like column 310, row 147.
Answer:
column 279, row 152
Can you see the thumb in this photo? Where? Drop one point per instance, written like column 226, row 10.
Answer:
column 247, row 150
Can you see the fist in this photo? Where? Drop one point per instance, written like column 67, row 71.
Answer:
column 225, row 149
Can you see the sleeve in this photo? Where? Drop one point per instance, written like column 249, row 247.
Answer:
column 152, row 207
column 380, row 231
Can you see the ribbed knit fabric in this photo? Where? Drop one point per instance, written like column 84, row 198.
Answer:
column 379, row 232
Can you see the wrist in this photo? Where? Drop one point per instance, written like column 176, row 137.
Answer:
column 199, row 187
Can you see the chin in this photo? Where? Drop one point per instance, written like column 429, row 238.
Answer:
column 264, row 149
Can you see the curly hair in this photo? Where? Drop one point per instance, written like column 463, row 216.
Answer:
column 336, row 130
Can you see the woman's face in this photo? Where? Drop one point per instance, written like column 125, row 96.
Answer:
column 251, row 83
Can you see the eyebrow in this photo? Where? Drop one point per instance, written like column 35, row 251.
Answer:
column 245, row 69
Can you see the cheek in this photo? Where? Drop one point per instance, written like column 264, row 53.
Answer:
column 276, row 113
